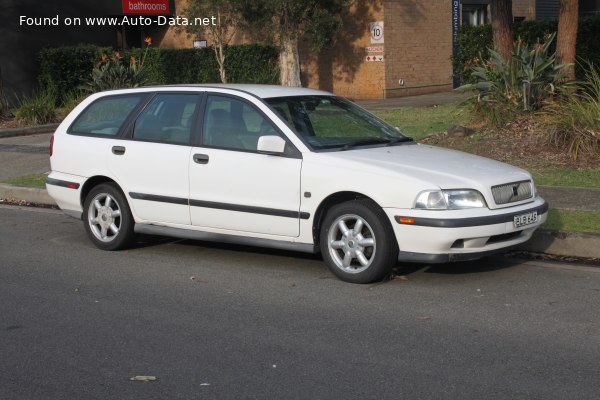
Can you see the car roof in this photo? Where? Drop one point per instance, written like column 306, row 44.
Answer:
column 262, row 91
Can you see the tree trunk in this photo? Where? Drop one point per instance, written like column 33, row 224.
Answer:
column 220, row 56
column 289, row 62
column 502, row 27
column 567, row 36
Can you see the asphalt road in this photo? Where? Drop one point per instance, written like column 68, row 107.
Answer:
column 225, row 322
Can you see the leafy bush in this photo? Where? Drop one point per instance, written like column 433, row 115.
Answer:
column 63, row 69
column 574, row 123
column 473, row 41
column 115, row 73
column 39, row 108
column 504, row 88
column 70, row 101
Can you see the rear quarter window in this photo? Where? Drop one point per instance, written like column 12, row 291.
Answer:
column 105, row 116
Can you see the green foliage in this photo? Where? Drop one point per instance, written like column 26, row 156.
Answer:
column 70, row 101
column 62, row 69
column 163, row 66
column 418, row 122
column 39, row 108
column 252, row 63
column 504, row 88
column 115, row 73
column 574, row 123
column 36, row 180
column 315, row 21
column 573, row 221
column 473, row 41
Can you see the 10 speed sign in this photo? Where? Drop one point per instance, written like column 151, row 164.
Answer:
column 376, row 29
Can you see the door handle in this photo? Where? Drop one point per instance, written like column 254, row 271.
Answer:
column 201, row 158
column 118, row 150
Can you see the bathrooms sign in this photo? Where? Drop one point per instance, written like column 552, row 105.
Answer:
column 146, row 7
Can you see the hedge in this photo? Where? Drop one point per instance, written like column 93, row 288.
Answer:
column 474, row 41
column 63, row 69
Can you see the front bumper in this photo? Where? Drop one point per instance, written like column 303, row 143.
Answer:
column 460, row 235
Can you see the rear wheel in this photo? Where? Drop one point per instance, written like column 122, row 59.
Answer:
column 357, row 242
column 107, row 218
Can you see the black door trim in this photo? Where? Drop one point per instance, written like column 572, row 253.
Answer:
column 221, row 206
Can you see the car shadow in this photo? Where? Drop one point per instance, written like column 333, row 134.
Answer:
column 153, row 240
column 486, row 264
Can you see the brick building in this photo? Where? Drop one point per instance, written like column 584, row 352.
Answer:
column 387, row 48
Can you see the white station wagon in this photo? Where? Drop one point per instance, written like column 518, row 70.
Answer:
column 287, row 168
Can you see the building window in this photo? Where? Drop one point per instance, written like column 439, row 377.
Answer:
column 475, row 13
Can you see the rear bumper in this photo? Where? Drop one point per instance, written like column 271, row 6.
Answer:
column 461, row 235
column 65, row 189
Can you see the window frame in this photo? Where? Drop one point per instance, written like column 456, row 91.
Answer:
column 293, row 151
column 128, row 132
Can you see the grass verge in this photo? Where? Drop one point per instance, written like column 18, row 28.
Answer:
column 589, row 178
column 573, row 221
column 418, row 122
column 36, row 180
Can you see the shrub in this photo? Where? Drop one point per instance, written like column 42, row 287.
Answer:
column 39, row 108
column 504, row 88
column 473, row 41
column 70, row 101
column 62, row 69
column 574, row 123
column 115, row 73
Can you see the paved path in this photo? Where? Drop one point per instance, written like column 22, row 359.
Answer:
column 424, row 100
column 24, row 155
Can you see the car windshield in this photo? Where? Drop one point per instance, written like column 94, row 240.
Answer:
column 329, row 122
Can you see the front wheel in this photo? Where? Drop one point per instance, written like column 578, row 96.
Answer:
column 107, row 218
column 357, row 242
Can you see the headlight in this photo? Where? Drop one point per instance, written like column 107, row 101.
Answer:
column 449, row 200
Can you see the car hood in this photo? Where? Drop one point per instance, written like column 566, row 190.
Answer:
column 433, row 166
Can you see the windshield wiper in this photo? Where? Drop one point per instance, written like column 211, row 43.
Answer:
column 363, row 142
column 393, row 142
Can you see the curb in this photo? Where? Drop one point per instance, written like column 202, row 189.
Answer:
column 28, row 130
column 26, row 193
column 569, row 244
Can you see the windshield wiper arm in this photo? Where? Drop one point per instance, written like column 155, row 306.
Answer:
column 405, row 139
column 362, row 142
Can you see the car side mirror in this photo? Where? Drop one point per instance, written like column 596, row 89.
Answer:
column 271, row 144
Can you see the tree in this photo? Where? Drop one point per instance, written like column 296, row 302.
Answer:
column 219, row 31
column 567, row 36
column 288, row 21
column 502, row 27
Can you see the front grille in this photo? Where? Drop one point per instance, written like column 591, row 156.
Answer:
column 512, row 192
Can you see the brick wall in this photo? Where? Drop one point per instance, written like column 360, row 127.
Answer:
column 343, row 69
column 418, row 46
column 524, row 8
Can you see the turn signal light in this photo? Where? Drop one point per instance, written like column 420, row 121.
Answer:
column 405, row 220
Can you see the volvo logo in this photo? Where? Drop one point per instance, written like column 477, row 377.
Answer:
column 515, row 190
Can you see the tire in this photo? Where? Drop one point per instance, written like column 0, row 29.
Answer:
column 368, row 251
column 107, row 218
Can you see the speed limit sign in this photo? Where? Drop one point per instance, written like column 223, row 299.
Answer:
column 376, row 29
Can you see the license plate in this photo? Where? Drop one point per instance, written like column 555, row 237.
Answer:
column 525, row 219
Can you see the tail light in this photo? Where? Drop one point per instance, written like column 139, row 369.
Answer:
column 51, row 145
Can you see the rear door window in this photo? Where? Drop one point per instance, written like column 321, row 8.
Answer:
column 105, row 116
column 168, row 118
